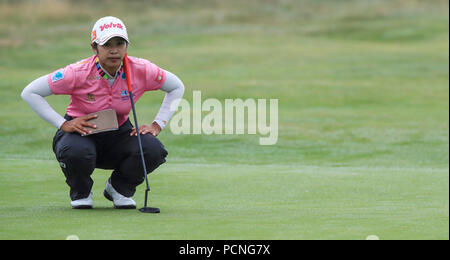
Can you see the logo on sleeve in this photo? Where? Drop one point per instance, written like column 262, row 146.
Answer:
column 159, row 75
column 57, row 76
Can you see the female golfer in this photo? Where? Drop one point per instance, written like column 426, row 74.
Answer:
column 98, row 83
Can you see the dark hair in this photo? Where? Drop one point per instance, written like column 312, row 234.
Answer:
column 94, row 44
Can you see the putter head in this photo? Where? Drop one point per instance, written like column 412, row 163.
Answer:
column 149, row 210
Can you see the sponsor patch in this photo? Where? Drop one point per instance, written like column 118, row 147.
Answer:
column 94, row 35
column 125, row 95
column 111, row 25
column 159, row 75
column 90, row 97
column 93, row 77
column 57, row 76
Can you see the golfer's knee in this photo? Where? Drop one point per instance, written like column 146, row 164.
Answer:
column 78, row 154
column 154, row 151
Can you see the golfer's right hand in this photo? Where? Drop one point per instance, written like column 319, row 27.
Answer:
column 78, row 125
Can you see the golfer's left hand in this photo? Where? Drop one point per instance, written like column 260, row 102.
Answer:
column 153, row 129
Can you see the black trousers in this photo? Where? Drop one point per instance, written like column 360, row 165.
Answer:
column 79, row 155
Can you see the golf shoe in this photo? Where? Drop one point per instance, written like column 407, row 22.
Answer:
column 85, row 203
column 120, row 201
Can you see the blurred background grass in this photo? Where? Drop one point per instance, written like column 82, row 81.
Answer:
column 363, row 89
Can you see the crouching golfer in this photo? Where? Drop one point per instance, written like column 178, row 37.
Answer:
column 98, row 83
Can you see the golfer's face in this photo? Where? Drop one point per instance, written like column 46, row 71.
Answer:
column 112, row 53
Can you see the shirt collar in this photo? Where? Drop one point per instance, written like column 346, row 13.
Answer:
column 103, row 73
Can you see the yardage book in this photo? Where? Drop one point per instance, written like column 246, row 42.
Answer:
column 106, row 121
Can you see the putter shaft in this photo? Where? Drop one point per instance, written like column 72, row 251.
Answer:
column 140, row 148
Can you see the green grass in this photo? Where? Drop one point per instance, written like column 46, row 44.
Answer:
column 363, row 142
column 217, row 201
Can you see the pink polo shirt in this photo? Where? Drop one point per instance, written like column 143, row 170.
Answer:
column 90, row 92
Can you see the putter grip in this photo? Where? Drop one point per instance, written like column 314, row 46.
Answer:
column 126, row 66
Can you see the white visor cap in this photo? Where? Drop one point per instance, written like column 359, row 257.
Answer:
column 106, row 28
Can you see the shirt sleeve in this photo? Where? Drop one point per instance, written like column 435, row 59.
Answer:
column 174, row 89
column 34, row 95
column 155, row 77
column 62, row 81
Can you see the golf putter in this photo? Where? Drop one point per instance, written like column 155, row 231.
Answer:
column 145, row 209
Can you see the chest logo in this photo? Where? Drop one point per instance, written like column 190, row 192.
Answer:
column 90, row 97
column 93, row 77
column 125, row 95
